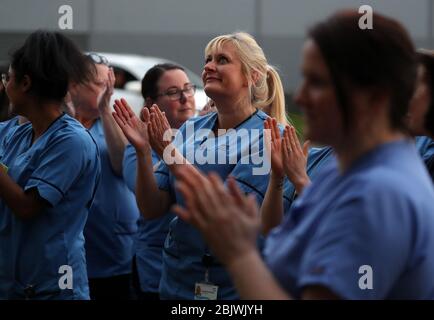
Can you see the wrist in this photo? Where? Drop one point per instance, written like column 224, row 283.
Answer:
column 105, row 110
column 277, row 180
column 301, row 183
column 241, row 263
column 144, row 152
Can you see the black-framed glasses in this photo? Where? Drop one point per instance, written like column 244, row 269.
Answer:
column 5, row 78
column 176, row 94
column 97, row 58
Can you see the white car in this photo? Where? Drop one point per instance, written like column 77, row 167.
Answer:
column 134, row 68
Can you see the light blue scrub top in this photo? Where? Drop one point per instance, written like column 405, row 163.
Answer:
column 378, row 214
column 152, row 232
column 63, row 164
column 184, row 246
column 6, row 126
column 112, row 225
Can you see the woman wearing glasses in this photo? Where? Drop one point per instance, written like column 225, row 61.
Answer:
column 51, row 171
column 112, row 225
column 168, row 86
column 238, row 78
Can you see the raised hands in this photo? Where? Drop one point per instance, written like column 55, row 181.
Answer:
column 160, row 133
column 228, row 220
column 288, row 157
column 104, row 98
column 274, row 147
column 295, row 159
column 133, row 128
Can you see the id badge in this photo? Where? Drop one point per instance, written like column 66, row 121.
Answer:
column 205, row 291
column 3, row 167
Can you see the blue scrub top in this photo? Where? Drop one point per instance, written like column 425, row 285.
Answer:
column 6, row 127
column 63, row 164
column 378, row 214
column 151, row 234
column 425, row 145
column 112, row 225
column 184, row 246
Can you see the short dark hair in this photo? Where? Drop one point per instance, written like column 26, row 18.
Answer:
column 427, row 60
column 152, row 76
column 52, row 61
column 381, row 58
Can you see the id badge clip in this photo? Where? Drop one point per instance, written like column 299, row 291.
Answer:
column 206, row 290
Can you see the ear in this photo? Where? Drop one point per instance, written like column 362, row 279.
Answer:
column 72, row 88
column 255, row 76
column 26, row 83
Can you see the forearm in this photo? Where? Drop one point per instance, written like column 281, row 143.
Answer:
column 272, row 206
column 23, row 205
column 115, row 140
column 151, row 201
column 258, row 283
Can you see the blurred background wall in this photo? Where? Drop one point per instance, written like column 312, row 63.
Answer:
column 180, row 29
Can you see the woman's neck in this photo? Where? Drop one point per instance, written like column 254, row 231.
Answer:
column 353, row 147
column 231, row 113
column 87, row 120
column 42, row 116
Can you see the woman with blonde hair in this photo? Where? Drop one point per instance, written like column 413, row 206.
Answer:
column 244, row 89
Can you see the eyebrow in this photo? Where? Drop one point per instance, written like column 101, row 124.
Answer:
column 175, row 87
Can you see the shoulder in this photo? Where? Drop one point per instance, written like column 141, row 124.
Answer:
column 71, row 134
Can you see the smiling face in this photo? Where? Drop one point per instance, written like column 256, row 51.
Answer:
column 180, row 110
column 222, row 74
column 316, row 96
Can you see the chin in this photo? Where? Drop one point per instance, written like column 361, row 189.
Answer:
column 211, row 92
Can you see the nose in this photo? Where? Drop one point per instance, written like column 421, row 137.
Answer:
column 183, row 98
column 209, row 66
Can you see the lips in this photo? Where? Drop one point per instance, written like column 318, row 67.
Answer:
column 211, row 79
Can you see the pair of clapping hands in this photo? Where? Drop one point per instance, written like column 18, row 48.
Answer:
column 152, row 130
column 288, row 157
